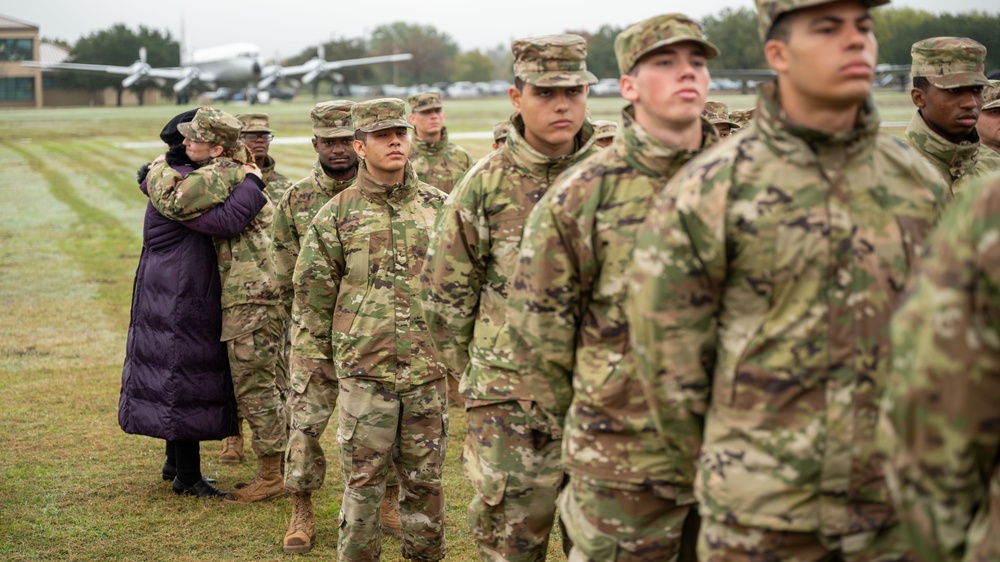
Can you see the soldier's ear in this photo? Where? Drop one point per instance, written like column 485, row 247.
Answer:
column 775, row 52
column 918, row 98
column 515, row 98
column 626, row 84
column 359, row 148
column 216, row 151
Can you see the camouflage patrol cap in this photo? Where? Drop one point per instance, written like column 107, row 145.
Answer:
column 552, row 61
column 949, row 62
column 332, row 119
column 500, row 131
column 212, row 125
column 991, row 95
column 769, row 10
column 254, row 122
column 604, row 129
column 742, row 117
column 655, row 32
column 375, row 115
column 717, row 113
column 425, row 101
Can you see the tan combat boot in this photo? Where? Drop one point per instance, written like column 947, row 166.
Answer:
column 302, row 527
column 232, row 448
column 390, row 512
column 268, row 483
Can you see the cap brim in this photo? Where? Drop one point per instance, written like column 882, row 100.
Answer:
column 385, row 125
column 257, row 130
column 732, row 124
column 563, row 79
column 959, row 80
column 429, row 107
column 711, row 51
column 992, row 105
column 333, row 132
column 189, row 133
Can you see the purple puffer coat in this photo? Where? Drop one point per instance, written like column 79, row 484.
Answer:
column 176, row 383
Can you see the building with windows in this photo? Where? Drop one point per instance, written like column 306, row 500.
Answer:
column 19, row 86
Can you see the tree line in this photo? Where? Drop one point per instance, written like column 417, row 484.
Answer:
column 437, row 57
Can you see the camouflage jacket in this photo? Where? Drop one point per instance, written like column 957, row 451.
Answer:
column 566, row 306
column 295, row 211
column 943, row 402
column 472, row 255
column 762, row 288
column 440, row 163
column 356, row 282
column 246, row 267
column 959, row 163
column 276, row 183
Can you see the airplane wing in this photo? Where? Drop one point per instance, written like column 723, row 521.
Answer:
column 174, row 73
column 316, row 67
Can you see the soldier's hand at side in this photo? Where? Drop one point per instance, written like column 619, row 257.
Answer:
column 160, row 158
column 252, row 169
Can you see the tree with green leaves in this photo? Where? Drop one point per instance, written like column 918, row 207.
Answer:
column 734, row 32
column 472, row 66
column 433, row 52
column 119, row 45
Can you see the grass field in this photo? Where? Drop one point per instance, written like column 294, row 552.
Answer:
column 73, row 486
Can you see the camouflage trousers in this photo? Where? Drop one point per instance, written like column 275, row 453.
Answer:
column 407, row 424
column 253, row 360
column 516, row 473
column 729, row 542
column 615, row 525
column 313, row 391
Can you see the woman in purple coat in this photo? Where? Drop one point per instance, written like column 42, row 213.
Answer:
column 176, row 383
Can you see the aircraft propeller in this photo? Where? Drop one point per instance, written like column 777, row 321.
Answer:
column 138, row 69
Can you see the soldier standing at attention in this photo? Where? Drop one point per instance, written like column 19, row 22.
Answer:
column 988, row 125
column 334, row 171
column 948, row 83
column 435, row 159
column 257, row 135
column 943, row 402
column 604, row 132
column 717, row 114
column 762, row 289
column 252, row 318
column 357, row 313
column 511, row 452
column 627, row 497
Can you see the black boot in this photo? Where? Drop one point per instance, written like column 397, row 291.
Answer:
column 189, row 480
column 169, row 469
column 200, row 489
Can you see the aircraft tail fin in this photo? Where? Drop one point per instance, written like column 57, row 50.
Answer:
column 186, row 52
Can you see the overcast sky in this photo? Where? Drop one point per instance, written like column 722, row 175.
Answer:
column 286, row 27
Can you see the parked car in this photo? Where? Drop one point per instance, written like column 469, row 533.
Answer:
column 605, row 87
column 463, row 90
column 499, row 87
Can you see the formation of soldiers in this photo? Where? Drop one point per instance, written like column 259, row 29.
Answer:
column 762, row 334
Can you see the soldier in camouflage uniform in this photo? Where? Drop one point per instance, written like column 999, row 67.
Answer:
column 252, row 320
column 988, row 125
column 257, row 134
column 335, row 170
column 762, row 288
column 604, row 132
column 624, row 501
column 357, row 315
column 948, row 83
column 717, row 114
column 500, row 134
column 511, row 452
column 435, row 159
column 943, row 402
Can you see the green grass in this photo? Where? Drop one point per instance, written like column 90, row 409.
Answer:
column 73, row 486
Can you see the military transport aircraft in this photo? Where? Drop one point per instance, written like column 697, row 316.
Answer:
column 237, row 65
